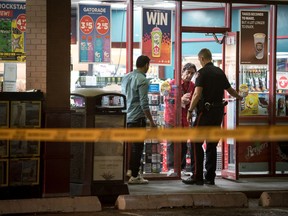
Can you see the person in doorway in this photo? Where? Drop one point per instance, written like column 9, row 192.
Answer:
column 135, row 86
column 187, row 89
column 208, row 98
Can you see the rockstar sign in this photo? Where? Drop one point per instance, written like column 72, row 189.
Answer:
column 12, row 32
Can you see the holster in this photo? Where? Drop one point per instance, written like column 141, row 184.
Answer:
column 209, row 106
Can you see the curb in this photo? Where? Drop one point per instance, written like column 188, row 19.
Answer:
column 140, row 202
column 62, row 204
column 133, row 202
column 274, row 199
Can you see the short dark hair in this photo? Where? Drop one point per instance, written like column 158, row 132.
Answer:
column 205, row 53
column 142, row 61
column 188, row 66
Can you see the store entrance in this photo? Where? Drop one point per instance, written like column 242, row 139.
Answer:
column 168, row 159
column 230, row 160
column 192, row 43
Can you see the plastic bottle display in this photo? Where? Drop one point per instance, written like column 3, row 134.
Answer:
column 188, row 157
column 98, row 49
column 90, row 48
column 254, row 89
column 106, row 49
column 83, row 49
column 256, row 79
column 156, row 36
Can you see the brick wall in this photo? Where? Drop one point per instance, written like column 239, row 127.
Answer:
column 36, row 41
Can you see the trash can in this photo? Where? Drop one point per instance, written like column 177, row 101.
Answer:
column 98, row 168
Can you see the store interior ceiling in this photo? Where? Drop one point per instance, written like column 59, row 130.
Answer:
column 121, row 4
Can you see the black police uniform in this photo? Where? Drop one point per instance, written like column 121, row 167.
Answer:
column 210, row 112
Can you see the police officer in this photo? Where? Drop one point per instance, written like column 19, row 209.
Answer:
column 208, row 99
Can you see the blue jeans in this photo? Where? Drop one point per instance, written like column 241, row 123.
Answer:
column 170, row 153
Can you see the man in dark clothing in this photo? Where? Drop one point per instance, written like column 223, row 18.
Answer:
column 208, row 98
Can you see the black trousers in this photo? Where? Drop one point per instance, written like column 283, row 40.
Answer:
column 136, row 148
column 213, row 117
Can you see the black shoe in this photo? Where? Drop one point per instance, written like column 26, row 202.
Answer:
column 209, row 182
column 192, row 181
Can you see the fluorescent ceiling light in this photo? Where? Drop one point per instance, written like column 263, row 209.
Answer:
column 90, row 2
column 118, row 6
column 165, row 5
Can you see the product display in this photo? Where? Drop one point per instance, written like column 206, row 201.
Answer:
column 152, row 157
column 155, row 152
column 282, row 93
column 281, row 104
column 152, row 162
column 254, row 88
column 23, row 171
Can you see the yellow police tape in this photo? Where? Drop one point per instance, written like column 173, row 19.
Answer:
column 241, row 133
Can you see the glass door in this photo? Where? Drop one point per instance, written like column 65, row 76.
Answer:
column 229, row 146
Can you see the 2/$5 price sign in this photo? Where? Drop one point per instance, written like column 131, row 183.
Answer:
column 242, row 133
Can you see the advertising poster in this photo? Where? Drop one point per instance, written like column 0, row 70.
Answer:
column 282, row 151
column 254, row 37
column 156, row 35
column 282, row 80
column 3, row 172
column 4, row 114
column 25, row 114
column 73, row 30
column 253, row 156
column 19, row 148
column 24, row 171
column 280, row 105
column 107, row 168
column 94, row 33
column 12, row 31
column 254, row 152
column 254, row 104
column 3, row 148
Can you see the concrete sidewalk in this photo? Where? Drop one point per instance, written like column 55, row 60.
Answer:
column 271, row 192
column 252, row 187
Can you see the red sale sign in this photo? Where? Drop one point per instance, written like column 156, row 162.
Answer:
column 282, row 81
column 21, row 22
column 86, row 24
column 102, row 25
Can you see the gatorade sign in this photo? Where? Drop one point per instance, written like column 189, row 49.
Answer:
column 282, row 81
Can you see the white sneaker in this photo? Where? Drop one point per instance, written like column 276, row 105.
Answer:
column 129, row 173
column 184, row 173
column 138, row 180
column 171, row 173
